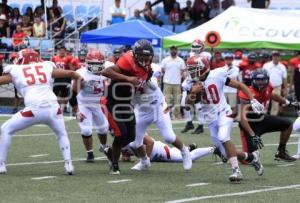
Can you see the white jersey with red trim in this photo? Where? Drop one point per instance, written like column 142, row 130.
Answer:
column 93, row 88
column 160, row 152
column 213, row 99
column 33, row 82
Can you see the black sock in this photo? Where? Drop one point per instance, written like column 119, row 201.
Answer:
column 281, row 147
column 250, row 157
column 189, row 123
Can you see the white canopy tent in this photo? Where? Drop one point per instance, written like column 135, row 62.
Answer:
column 247, row 28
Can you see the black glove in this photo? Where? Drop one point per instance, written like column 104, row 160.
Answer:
column 257, row 142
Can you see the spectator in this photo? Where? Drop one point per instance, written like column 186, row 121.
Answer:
column 175, row 16
column 29, row 13
column 4, row 27
column 227, row 3
column 39, row 28
column 215, row 9
column 278, row 77
column 238, row 57
column 217, row 61
column 259, row 3
column 18, row 37
column 39, row 11
column 188, row 11
column 116, row 55
column 200, row 13
column 137, row 16
column 26, row 25
column 295, row 63
column 56, row 6
column 168, row 5
column 6, row 8
column 150, row 16
column 14, row 19
column 117, row 12
column 58, row 27
column 233, row 73
column 173, row 67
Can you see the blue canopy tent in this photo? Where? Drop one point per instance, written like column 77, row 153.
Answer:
column 126, row 33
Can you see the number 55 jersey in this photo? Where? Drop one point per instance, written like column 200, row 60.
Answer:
column 34, row 83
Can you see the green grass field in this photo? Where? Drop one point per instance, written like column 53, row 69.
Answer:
column 34, row 154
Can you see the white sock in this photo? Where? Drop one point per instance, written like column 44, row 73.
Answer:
column 234, row 162
column 187, row 115
column 201, row 152
column 298, row 150
column 200, row 117
column 64, row 145
column 5, row 141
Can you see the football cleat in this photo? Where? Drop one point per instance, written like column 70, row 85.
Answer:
column 218, row 153
column 186, row 158
column 296, row 156
column 283, row 155
column 236, row 175
column 90, row 157
column 2, row 168
column 256, row 163
column 192, row 146
column 188, row 126
column 69, row 167
column 198, row 130
column 114, row 169
column 142, row 165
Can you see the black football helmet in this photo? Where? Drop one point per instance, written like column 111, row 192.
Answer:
column 252, row 57
column 260, row 79
column 143, row 53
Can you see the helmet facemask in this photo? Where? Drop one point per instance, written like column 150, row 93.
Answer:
column 95, row 66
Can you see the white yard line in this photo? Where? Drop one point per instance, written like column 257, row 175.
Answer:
column 43, row 178
column 295, row 135
column 218, row 163
column 233, row 194
column 197, row 184
column 50, row 162
column 119, row 181
column 38, row 155
column 285, row 165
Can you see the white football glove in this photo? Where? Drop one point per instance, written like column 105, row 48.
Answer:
column 257, row 107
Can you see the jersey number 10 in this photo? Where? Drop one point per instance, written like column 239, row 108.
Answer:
column 214, row 94
column 31, row 72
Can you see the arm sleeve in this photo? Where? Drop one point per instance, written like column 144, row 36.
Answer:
column 7, row 69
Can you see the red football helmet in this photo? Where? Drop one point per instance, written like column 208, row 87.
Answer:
column 95, row 61
column 197, row 46
column 197, row 67
column 27, row 56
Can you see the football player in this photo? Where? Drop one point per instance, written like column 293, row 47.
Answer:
column 33, row 79
column 161, row 152
column 208, row 89
column 150, row 107
column 197, row 49
column 248, row 66
column 253, row 125
column 296, row 127
column 128, row 76
column 61, row 85
column 88, row 98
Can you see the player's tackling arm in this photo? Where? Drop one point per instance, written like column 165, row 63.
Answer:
column 240, row 86
column 244, row 121
column 5, row 79
column 59, row 73
column 114, row 73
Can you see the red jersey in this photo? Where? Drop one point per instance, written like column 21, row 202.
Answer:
column 247, row 69
column 18, row 38
column 295, row 62
column 128, row 65
column 263, row 97
column 214, row 64
column 76, row 63
column 62, row 62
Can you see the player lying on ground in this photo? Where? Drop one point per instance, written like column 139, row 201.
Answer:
column 161, row 152
column 33, row 80
column 208, row 89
